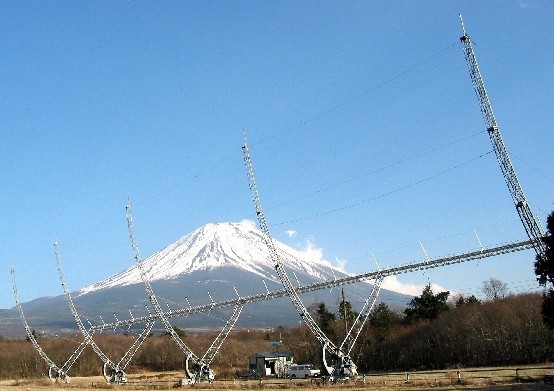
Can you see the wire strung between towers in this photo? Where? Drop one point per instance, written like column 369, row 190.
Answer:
column 336, row 210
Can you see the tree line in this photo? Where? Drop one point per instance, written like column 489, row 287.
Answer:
column 433, row 332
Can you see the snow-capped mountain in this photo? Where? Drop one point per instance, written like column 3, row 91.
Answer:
column 206, row 265
column 212, row 246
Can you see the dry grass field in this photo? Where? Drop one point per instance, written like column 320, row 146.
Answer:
column 528, row 378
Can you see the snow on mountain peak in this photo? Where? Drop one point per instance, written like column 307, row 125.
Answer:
column 211, row 246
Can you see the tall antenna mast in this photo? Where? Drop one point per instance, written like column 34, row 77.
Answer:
column 200, row 365
column 530, row 223
column 344, row 313
column 462, row 22
column 340, row 364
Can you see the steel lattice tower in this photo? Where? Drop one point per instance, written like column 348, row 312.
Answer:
column 530, row 223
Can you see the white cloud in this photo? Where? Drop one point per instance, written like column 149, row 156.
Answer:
column 341, row 264
column 525, row 4
column 312, row 251
column 393, row 284
column 316, row 254
column 291, row 233
column 249, row 223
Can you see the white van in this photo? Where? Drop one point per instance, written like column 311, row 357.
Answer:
column 304, row 370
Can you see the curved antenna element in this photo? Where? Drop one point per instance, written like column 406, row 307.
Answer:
column 341, row 363
column 201, row 369
column 201, row 366
column 362, row 317
column 112, row 373
column 55, row 373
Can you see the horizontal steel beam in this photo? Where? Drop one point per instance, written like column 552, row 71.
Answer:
column 406, row 268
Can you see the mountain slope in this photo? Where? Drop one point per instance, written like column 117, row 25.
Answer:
column 203, row 266
column 238, row 245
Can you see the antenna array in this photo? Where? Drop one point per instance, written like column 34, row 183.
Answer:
column 336, row 359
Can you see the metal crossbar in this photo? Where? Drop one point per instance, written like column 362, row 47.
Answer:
column 482, row 253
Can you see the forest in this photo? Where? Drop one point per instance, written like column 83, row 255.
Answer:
column 434, row 332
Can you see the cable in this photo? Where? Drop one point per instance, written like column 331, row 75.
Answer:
column 356, row 97
column 391, row 165
column 533, row 168
column 383, row 194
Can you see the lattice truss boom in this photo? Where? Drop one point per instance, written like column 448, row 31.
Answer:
column 482, row 253
column 531, row 224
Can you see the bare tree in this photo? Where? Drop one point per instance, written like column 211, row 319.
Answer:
column 494, row 289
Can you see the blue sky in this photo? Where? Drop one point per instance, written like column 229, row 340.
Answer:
column 365, row 133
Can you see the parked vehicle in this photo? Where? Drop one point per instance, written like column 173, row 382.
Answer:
column 303, row 370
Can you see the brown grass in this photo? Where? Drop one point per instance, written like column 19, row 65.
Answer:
column 472, row 379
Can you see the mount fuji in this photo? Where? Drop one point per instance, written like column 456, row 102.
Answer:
column 224, row 245
column 213, row 263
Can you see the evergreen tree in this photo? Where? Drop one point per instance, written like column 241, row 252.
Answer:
column 325, row 317
column 35, row 336
column 461, row 301
column 179, row 331
column 346, row 311
column 427, row 306
column 544, row 269
column 384, row 318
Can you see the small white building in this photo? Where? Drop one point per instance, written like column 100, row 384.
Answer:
column 270, row 364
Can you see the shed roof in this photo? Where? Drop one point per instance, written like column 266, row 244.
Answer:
column 276, row 354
